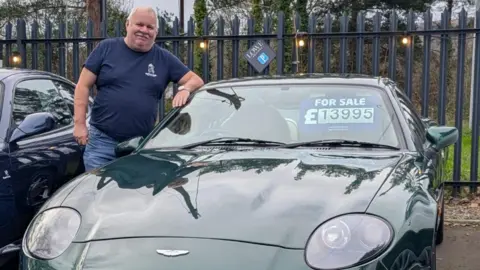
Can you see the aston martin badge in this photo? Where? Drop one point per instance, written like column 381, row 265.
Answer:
column 172, row 253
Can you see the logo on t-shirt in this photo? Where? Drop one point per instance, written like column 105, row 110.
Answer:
column 151, row 71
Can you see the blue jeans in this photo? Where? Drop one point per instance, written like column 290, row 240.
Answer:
column 99, row 150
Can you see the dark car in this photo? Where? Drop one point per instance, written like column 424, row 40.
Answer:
column 290, row 172
column 37, row 150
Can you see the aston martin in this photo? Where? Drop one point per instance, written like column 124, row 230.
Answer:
column 312, row 171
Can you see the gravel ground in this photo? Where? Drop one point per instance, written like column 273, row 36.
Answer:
column 467, row 208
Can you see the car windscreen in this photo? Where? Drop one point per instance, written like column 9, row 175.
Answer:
column 284, row 113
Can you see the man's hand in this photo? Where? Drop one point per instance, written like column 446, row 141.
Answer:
column 80, row 132
column 181, row 97
column 190, row 82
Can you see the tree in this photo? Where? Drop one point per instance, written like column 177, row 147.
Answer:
column 93, row 11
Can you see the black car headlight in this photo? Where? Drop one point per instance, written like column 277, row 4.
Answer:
column 51, row 232
column 347, row 241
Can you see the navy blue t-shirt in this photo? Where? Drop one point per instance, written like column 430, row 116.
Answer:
column 129, row 86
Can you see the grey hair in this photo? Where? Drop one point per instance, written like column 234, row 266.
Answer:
column 149, row 9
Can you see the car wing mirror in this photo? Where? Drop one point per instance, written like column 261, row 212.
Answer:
column 442, row 136
column 33, row 124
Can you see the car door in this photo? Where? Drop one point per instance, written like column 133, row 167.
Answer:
column 41, row 163
column 7, row 202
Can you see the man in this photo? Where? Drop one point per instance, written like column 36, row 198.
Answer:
column 130, row 74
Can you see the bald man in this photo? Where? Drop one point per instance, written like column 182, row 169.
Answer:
column 130, row 74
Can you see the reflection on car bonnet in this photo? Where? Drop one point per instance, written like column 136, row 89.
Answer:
column 259, row 122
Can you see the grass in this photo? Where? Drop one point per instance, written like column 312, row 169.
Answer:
column 465, row 157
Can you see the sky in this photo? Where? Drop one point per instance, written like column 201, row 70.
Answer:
column 171, row 6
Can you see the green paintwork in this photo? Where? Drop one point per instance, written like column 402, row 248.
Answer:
column 442, row 136
column 220, row 194
column 234, row 187
column 250, row 208
column 203, row 254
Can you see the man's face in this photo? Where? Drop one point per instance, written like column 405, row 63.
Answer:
column 142, row 30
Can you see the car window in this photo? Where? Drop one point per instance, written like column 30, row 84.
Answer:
column 285, row 113
column 411, row 108
column 416, row 124
column 40, row 95
column 68, row 92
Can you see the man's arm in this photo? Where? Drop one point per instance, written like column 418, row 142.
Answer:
column 82, row 91
column 191, row 81
column 87, row 79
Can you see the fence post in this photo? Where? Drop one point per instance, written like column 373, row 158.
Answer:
column 327, row 42
column 21, row 37
column 360, row 41
column 220, row 32
column 280, row 36
column 392, row 47
column 48, row 46
column 104, row 17
column 409, row 56
column 376, row 44
column 235, row 46
column 427, row 43
column 34, row 35
column 459, row 102
column 205, row 55
column 311, row 44
column 89, row 36
column 267, row 30
column 250, row 41
column 191, row 44
column 343, row 42
column 161, row 103
column 476, row 109
column 443, row 68
column 176, row 50
column 76, row 51
column 295, row 53
column 62, row 49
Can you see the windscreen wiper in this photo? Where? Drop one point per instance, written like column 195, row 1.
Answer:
column 227, row 140
column 340, row 142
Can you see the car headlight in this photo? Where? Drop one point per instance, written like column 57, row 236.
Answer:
column 347, row 241
column 51, row 232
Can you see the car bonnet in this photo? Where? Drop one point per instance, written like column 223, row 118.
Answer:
column 269, row 196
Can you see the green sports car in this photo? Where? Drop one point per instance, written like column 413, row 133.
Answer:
column 281, row 172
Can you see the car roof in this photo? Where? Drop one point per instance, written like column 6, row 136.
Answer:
column 8, row 72
column 307, row 78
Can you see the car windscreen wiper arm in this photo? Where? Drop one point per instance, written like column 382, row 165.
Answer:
column 340, row 142
column 227, row 140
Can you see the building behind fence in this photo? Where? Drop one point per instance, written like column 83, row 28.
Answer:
column 431, row 61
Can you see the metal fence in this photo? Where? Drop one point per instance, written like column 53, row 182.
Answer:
column 433, row 63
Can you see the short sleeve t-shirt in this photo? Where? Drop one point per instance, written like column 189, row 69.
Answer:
column 129, row 86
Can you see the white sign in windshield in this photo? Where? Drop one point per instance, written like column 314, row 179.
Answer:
column 319, row 114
